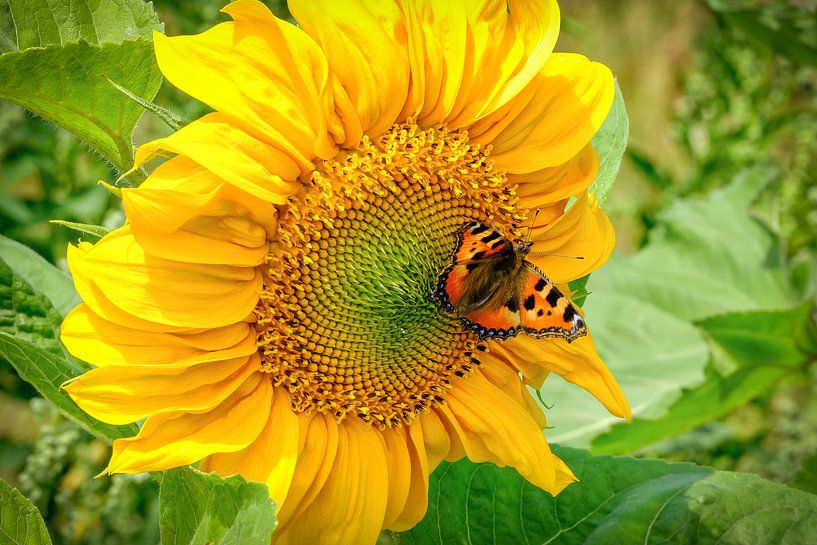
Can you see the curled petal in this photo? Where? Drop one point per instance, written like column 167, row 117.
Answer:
column 215, row 143
column 577, row 362
column 552, row 119
column 115, row 277
column 583, row 231
column 186, row 213
column 102, row 342
column 175, row 439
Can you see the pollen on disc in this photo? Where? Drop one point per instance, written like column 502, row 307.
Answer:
column 346, row 320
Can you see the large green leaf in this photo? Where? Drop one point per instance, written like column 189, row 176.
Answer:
column 751, row 352
column 20, row 521
column 618, row 500
column 198, row 508
column 41, row 275
column 610, row 143
column 56, row 57
column 705, row 257
column 29, row 340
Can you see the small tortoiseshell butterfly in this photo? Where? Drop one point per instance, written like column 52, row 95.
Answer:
column 497, row 293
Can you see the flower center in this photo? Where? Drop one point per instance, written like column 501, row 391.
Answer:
column 347, row 321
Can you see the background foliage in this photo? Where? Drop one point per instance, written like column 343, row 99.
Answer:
column 706, row 314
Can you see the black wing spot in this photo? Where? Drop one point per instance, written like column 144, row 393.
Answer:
column 471, row 266
column 541, row 312
column 478, row 229
column 530, row 303
column 478, row 255
column 569, row 314
column 492, row 236
column 553, row 297
column 513, row 304
column 550, row 312
column 540, row 285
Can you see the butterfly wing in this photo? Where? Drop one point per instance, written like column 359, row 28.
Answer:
column 467, row 281
column 545, row 311
column 495, row 323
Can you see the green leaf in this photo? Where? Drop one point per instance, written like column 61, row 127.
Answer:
column 705, row 257
column 610, row 143
column 56, row 58
column 29, row 340
column 198, row 508
column 38, row 23
column 618, row 500
column 20, row 521
column 751, row 352
column 40, row 274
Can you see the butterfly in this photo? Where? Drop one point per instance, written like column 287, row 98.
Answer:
column 498, row 293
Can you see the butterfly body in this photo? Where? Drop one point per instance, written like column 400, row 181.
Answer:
column 497, row 293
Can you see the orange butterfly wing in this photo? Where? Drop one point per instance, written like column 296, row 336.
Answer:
column 475, row 242
column 546, row 312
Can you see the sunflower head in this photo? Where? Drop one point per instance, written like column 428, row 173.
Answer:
column 269, row 308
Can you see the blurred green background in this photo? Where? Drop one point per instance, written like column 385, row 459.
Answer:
column 714, row 90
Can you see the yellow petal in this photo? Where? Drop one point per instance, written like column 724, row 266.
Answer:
column 577, row 362
column 272, row 457
column 120, row 394
column 561, row 110
column 505, row 376
column 435, row 438
column 215, row 143
column 495, row 428
column 584, row 231
column 318, row 446
column 102, row 342
column 508, row 43
column 416, row 502
column 159, row 290
column 400, row 476
column 437, row 34
column 175, row 439
column 185, row 212
column 268, row 76
column 366, row 44
column 351, row 504
column 542, row 188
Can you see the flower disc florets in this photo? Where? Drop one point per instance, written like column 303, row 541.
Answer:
column 347, row 322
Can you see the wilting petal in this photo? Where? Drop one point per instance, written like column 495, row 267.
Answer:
column 165, row 292
column 552, row 119
column 176, row 439
column 577, row 362
column 186, row 213
column 366, row 44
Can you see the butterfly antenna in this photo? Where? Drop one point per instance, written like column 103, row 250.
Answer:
column 558, row 255
column 532, row 223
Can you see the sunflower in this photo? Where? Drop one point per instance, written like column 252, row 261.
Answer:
column 267, row 308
